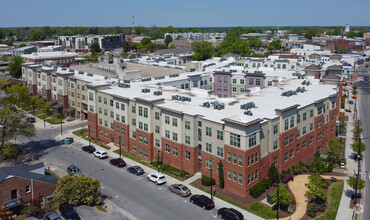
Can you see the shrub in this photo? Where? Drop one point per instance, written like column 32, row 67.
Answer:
column 330, row 167
column 10, row 152
column 310, row 212
column 260, row 188
column 207, row 181
column 266, row 182
column 313, row 209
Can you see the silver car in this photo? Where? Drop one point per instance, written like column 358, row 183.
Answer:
column 180, row 189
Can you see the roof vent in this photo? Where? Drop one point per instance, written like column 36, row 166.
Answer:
column 71, row 71
column 157, row 93
column 145, row 90
column 90, row 74
column 248, row 113
column 80, row 72
column 304, row 82
column 124, row 85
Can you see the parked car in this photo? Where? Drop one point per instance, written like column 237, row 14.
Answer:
column 230, row 214
column 30, row 120
column 68, row 212
column 157, row 178
column 68, row 140
column 50, row 216
column 136, row 170
column 180, row 189
column 100, row 154
column 89, row 148
column 72, row 170
column 118, row 162
column 202, row 201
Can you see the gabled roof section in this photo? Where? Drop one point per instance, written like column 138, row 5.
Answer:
column 27, row 172
column 335, row 67
column 312, row 67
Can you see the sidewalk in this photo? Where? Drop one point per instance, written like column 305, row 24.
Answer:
column 344, row 211
column 170, row 180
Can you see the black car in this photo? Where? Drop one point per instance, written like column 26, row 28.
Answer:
column 89, row 149
column 136, row 170
column 202, row 201
column 118, row 162
column 68, row 212
column 30, row 120
column 230, row 214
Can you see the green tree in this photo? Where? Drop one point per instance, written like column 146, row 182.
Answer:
column 357, row 144
column 284, row 196
column 145, row 41
column 15, row 68
column 221, row 175
column 310, row 33
column 254, row 42
column 140, row 46
column 203, row 50
column 151, row 47
column 22, row 45
column 315, row 193
column 78, row 190
column 126, row 47
column 352, row 183
column 342, row 125
column 274, row 45
column 172, row 46
column 14, row 107
column 351, row 34
column 332, row 152
column 273, row 173
column 95, row 48
column 317, row 164
column 168, row 39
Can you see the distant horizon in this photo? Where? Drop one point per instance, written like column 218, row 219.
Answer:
column 192, row 13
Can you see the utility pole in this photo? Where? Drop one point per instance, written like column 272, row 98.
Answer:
column 211, row 181
column 158, row 159
column 89, row 135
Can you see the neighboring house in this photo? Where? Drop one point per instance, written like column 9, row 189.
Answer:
column 334, row 69
column 22, row 185
column 312, row 70
column 331, row 79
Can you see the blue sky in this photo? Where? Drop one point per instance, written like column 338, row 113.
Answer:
column 184, row 13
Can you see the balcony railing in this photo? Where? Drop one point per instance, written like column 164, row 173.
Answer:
column 13, row 203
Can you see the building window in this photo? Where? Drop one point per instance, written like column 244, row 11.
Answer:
column 187, row 125
column 286, row 141
column 285, row 156
column 234, row 176
column 319, row 110
column 240, row 161
column 187, row 140
column 249, row 178
column 276, row 161
column 133, row 109
column 286, row 124
column 156, row 115
column 134, row 134
column 292, row 122
column 240, row 179
column 145, row 140
column 220, row 135
column 187, row 155
column 251, row 81
column 234, row 158
column 311, row 126
column 298, row 133
column 275, row 129
column 174, row 136
column 167, row 148
column 123, row 131
column 235, row 140
column 140, row 111
column 145, row 112
column 220, row 151
column 208, row 131
column 174, row 151
column 208, row 163
column 241, row 81
column 123, row 119
column 209, row 147
column 275, row 145
column 157, row 129
column 311, row 113
column 319, row 137
column 134, row 122
column 228, row 157
column 145, row 127
column 225, row 79
column 258, row 82
column 157, row 143
column 167, row 133
column 28, row 189
column 140, row 138
column 304, row 116
column 256, row 175
column 229, row 174
column 167, row 120
column 291, row 153
column 319, row 124
column 174, row 122
column 252, row 140
column 292, row 138
column 122, row 107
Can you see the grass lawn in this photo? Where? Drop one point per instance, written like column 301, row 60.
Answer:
column 53, row 120
column 83, row 133
column 257, row 208
column 334, row 196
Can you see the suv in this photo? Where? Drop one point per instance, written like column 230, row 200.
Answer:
column 68, row 212
column 100, row 154
column 30, row 120
column 202, row 201
column 230, row 214
column 88, row 148
column 157, row 178
column 50, row 216
column 135, row 170
column 72, row 170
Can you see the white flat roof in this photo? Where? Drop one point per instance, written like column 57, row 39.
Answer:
column 45, row 55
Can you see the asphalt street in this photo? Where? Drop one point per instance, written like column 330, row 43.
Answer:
column 364, row 112
column 134, row 194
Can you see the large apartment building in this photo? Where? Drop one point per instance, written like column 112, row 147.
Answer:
column 194, row 130
column 82, row 43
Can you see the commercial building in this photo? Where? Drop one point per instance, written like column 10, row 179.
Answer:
column 58, row 57
column 50, row 49
column 24, row 50
column 194, row 130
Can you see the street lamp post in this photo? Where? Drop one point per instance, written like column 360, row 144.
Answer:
column 119, row 144
column 158, row 159
column 61, row 126
column 44, row 118
column 89, row 135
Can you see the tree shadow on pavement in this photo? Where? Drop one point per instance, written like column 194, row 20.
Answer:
column 34, row 150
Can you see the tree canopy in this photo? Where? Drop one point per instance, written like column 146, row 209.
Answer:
column 203, row 50
column 145, row 41
column 357, row 145
column 273, row 173
column 310, row 33
column 15, row 68
column 168, row 39
column 78, row 190
column 284, row 196
column 126, row 47
column 274, row 45
column 95, row 48
column 254, row 42
column 352, row 183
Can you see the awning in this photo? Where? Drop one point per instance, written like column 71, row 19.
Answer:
column 70, row 109
column 57, row 106
column 53, row 102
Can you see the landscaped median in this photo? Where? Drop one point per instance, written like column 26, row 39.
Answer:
column 84, row 133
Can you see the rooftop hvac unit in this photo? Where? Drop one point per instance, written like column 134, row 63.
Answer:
column 90, row 74
column 298, row 89
column 308, row 83
column 71, row 70
column 303, row 89
column 304, row 82
column 183, row 99
column 63, row 68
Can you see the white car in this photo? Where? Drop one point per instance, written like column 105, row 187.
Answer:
column 157, row 178
column 100, row 154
